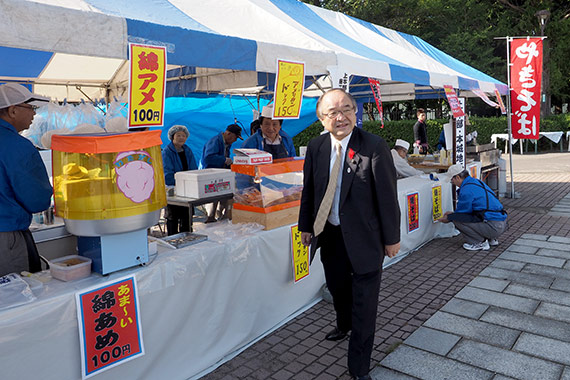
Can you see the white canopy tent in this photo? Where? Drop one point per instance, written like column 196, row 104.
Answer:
column 59, row 45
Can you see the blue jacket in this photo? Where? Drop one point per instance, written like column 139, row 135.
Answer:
column 214, row 153
column 255, row 141
column 24, row 182
column 472, row 198
column 172, row 163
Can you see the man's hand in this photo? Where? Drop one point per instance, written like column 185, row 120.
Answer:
column 228, row 161
column 392, row 249
column 444, row 219
column 306, row 238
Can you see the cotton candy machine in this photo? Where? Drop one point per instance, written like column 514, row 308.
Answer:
column 109, row 188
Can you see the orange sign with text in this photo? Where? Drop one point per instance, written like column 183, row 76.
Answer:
column 147, row 85
column 109, row 326
column 413, row 212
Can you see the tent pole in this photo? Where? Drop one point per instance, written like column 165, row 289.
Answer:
column 509, row 116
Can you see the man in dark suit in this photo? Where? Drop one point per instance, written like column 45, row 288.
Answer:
column 350, row 210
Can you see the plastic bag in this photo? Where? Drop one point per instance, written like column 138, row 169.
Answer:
column 14, row 291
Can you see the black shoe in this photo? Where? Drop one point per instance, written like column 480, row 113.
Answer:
column 336, row 334
column 365, row 377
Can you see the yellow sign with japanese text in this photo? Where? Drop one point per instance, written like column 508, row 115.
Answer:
column 289, row 85
column 436, row 202
column 300, row 255
column 147, row 85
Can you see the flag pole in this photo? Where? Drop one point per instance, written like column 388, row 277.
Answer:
column 509, row 116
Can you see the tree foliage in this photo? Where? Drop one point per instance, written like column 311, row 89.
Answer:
column 467, row 30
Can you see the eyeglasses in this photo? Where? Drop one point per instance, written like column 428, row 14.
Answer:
column 28, row 106
column 334, row 114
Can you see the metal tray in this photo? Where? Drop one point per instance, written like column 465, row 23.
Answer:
column 184, row 239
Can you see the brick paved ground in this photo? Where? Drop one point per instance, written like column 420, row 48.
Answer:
column 412, row 291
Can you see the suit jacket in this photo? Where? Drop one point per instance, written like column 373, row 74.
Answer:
column 368, row 210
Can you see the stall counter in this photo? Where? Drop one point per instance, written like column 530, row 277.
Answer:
column 198, row 306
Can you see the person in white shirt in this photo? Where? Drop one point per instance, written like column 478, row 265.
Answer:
column 399, row 152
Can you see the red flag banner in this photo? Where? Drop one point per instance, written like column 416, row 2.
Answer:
column 453, row 101
column 375, row 85
column 526, row 74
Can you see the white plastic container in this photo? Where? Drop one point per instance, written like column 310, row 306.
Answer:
column 69, row 268
column 204, row 183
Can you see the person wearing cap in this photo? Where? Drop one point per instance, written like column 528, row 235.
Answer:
column 24, row 183
column 176, row 157
column 271, row 137
column 479, row 215
column 216, row 154
column 399, row 153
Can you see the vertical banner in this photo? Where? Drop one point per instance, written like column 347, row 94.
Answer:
column 526, row 76
column 109, row 325
column 289, row 85
column 500, row 101
column 460, row 135
column 375, row 85
column 453, row 101
column 413, row 211
column 339, row 78
column 300, row 255
column 437, row 212
column 147, row 85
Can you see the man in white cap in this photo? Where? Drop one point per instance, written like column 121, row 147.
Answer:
column 479, row 215
column 399, row 152
column 271, row 137
column 24, row 184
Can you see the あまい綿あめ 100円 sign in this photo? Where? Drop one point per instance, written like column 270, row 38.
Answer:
column 147, row 84
column 526, row 74
column 109, row 325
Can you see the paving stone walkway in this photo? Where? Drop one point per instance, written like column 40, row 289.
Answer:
column 479, row 313
column 512, row 321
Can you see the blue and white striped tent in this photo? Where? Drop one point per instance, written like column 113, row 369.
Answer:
column 59, row 46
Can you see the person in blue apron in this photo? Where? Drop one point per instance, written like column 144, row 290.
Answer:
column 270, row 137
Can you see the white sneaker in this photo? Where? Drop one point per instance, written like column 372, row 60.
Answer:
column 477, row 246
column 493, row 242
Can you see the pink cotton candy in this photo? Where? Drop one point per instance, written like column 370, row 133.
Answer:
column 135, row 178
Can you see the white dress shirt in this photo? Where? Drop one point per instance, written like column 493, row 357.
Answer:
column 334, row 218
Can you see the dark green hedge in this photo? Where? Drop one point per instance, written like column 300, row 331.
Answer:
column 403, row 129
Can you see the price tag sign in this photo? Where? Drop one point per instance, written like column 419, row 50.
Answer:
column 109, row 325
column 147, row 85
column 413, row 212
column 289, row 85
column 300, row 255
column 436, row 202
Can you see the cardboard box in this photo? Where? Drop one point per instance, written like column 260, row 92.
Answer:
column 204, row 183
column 252, row 157
column 271, row 217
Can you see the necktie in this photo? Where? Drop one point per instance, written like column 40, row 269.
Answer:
column 326, row 203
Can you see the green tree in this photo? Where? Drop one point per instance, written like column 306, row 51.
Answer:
column 466, row 30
